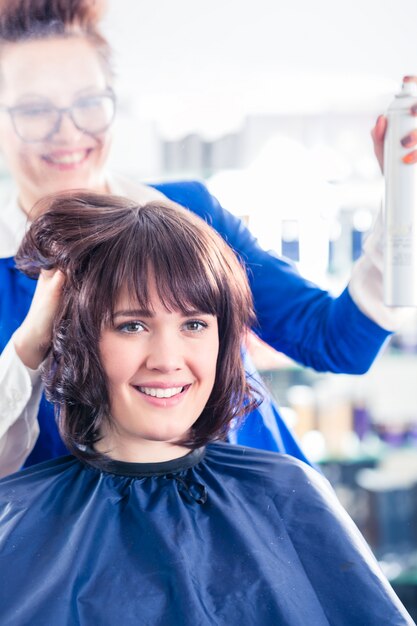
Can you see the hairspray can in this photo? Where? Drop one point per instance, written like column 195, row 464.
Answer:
column 400, row 207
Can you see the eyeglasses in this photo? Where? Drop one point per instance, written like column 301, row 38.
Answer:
column 39, row 119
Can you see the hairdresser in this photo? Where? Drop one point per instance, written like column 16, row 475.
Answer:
column 57, row 106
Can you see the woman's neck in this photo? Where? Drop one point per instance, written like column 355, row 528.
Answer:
column 139, row 450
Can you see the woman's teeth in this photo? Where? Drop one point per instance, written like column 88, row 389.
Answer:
column 67, row 159
column 161, row 393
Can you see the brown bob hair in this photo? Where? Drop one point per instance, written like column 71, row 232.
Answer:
column 105, row 243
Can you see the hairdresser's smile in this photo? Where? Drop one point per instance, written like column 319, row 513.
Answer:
column 67, row 159
column 160, row 367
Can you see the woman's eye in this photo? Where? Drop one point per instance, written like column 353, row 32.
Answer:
column 34, row 111
column 131, row 327
column 195, row 325
column 95, row 100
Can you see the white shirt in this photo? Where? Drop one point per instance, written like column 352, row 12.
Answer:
column 21, row 388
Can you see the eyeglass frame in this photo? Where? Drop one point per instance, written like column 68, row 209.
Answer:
column 61, row 112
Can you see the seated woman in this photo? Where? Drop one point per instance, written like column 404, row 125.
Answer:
column 155, row 519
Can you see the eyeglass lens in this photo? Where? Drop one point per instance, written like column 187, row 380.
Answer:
column 37, row 121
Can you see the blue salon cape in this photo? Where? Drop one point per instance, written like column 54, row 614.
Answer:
column 226, row 536
column 295, row 317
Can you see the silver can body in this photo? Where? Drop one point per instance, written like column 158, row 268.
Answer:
column 400, row 205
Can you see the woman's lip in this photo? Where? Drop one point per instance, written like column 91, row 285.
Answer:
column 163, row 402
column 158, row 385
column 67, row 159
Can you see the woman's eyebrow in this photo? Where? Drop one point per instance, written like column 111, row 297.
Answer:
column 134, row 313
column 91, row 90
column 149, row 313
column 194, row 313
column 29, row 97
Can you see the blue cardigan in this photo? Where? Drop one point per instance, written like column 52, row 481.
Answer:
column 294, row 317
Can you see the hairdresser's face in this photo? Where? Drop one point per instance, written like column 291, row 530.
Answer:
column 161, row 370
column 58, row 71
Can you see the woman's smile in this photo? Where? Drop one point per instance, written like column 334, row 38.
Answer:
column 163, row 396
column 67, row 159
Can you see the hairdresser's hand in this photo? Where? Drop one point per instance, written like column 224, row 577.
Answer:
column 33, row 338
column 409, row 141
column 378, row 137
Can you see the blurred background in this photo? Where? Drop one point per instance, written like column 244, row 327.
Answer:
column 271, row 103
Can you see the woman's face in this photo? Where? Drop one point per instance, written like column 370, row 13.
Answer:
column 59, row 72
column 160, row 369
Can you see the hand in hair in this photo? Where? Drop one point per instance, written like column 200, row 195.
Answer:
column 33, row 338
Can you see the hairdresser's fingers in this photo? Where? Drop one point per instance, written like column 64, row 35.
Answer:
column 33, row 338
column 410, row 140
column 50, row 284
column 410, row 158
column 378, row 137
column 410, row 79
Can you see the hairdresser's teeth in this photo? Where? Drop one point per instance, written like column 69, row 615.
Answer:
column 67, row 159
column 160, row 393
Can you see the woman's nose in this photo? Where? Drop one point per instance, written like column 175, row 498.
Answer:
column 65, row 129
column 165, row 354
